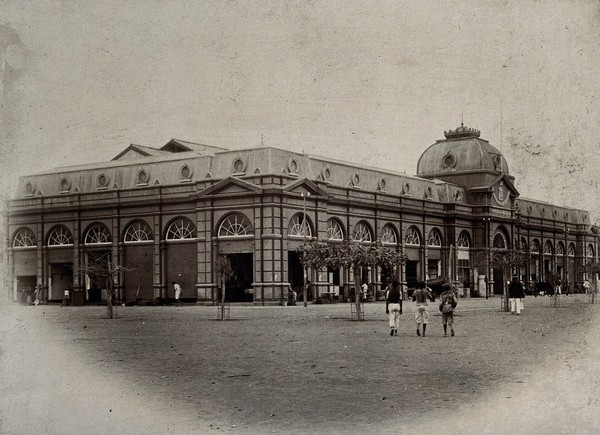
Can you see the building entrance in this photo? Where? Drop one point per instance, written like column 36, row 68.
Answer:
column 25, row 288
column 239, row 287
column 295, row 272
column 61, row 279
column 498, row 282
column 411, row 274
column 95, row 283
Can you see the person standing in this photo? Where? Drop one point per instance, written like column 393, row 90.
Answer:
column 448, row 302
column 178, row 292
column 516, row 295
column 586, row 286
column 66, row 298
column 393, row 307
column 420, row 296
column 364, row 290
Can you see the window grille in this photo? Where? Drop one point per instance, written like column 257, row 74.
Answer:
column 180, row 229
column 25, row 238
column 362, row 233
column 435, row 238
column 463, row 240
column 500, row 241
column 60, row 236
column 97, row 234
column 334, row 230
column 138, row 231
column 590, row 251
column 388, row 235
column 412, row 237
column 235, row 225
column 299, row 227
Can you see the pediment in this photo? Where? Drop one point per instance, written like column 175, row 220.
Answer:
column 501, row 190
column 507, row 182
column 305, row 186
column 229, row 186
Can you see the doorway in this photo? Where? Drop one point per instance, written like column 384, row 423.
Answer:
column 61, row 279
column 96, row 283
column 411, row 274
column 498, row 282
column 239, row 287
column 295, row 272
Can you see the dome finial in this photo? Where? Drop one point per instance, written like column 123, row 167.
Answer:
column 462, row 131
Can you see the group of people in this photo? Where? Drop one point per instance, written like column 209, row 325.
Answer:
column 421, row 296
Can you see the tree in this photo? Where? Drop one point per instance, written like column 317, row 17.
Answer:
column 102, row 266
column 350, row 254
column 508, row 261
column 224, row 273
column 591, row 266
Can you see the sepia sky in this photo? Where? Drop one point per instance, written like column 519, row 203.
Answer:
column 363, row 81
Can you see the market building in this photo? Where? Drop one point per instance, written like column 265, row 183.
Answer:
column 169, row 212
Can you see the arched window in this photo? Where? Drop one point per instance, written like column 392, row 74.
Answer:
column 560, row 249
column 335, row 231
column 535, row 246
column 523, row 244
column 235, row 224
column 464, row 240
column 548, row 248
column 590, row 251
column 24, row 238
column 138, row 231
column 412, row 236
column 571, row 250
column 60, row 236
column 299, row 227
column 500, row 241
column 362, row 233
column 181, row 228
column 435, row 238
column 97, row 234
column 388, row 235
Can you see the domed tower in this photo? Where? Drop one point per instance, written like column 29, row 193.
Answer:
column 463, row 158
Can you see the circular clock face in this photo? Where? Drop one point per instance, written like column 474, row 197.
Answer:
column 501, row 194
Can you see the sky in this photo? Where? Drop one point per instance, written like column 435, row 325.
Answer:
column 362, row 81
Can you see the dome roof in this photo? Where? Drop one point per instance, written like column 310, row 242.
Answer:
column 462, row 151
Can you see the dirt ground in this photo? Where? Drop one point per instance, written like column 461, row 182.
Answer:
column 158, row 370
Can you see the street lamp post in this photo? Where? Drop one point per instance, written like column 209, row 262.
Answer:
column 304, row 234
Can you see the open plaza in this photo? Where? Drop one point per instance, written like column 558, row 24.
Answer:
column 167, row 369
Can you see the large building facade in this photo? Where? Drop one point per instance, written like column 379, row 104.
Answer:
column 169, row 212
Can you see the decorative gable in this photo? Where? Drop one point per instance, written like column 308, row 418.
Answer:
column 305, row 186
column 501, row 190
column 231, row 186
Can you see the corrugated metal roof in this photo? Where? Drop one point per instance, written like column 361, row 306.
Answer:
column 162, row 157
